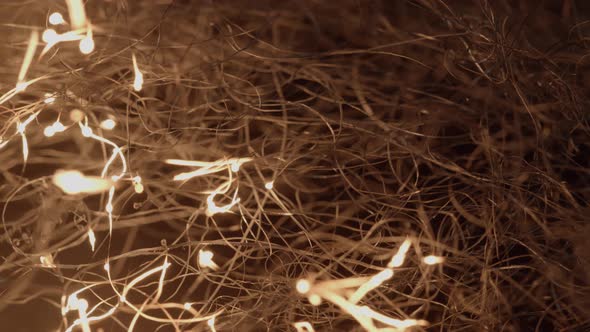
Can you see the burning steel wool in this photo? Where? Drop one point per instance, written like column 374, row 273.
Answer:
column 297, row 166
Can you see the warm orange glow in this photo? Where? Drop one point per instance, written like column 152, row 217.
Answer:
column 91, row 239
column 205, row 260
column 432, row 260
column 400, row 256
column 138, row 81
column 47, row 261
column 74, row 182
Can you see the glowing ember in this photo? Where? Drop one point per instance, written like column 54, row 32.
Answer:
column 205, row 260
column 138, row 81
column 433, row 260
column 77, row 13
column 91, row 239
column 74, row 182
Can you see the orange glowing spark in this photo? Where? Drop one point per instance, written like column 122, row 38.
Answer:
column 81, row 305
column 400, row 256
column 371, row 284
column 161, row 282
column 432, row 260
column 76, row 115
column 47, row 261
column 109, row 208
column 91, row 238
column 138, row 81
column 77, row 13
column 303, row 286
column 213, row 209
column 205, row 260
column 20, row 129
column 74, row 182
column 333, row 291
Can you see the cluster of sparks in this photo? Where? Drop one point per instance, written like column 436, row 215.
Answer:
column 345, row 294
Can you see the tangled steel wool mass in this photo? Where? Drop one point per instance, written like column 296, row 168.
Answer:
column 176, row 165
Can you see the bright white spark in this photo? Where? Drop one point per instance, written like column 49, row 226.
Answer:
column 334, row 291
column 91, row 238
column 81, row 305
column 87, row 43
column 205, row 260
column 138, row 81
column 303, row 286
column 109, row 208
column 56, row 19
column 47, row 261
column 269, row 185
column 20, row 128
column 58, row 127
column 213, row 209
column 74, row 182
column 161, row 282
column 398, row 259
column 432, row 260
column 371, row 284
column 50, row 36
column 108, row 124
column 137, row 186
column 48, row 131
column 211, row 324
